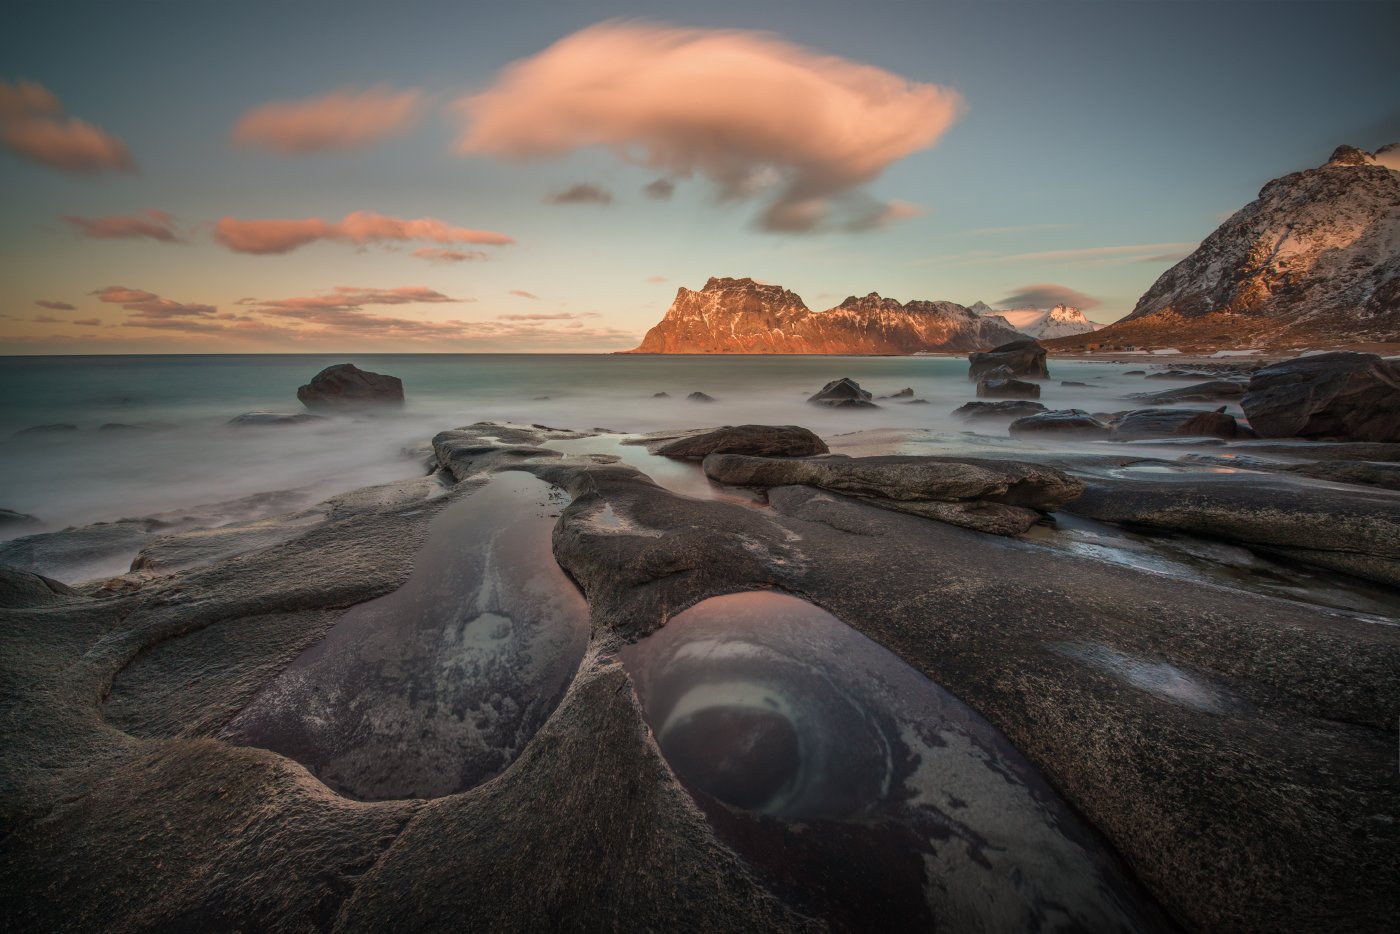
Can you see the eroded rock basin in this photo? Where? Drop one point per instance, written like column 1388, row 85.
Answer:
column 439, row 685
column 865, row 793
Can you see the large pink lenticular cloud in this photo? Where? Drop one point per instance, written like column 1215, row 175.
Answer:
column 33, row 127
column 755, row 114
column 344, row 119
column 360, row 228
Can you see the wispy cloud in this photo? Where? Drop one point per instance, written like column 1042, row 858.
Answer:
column 54, row 306
column 657, row 280
column 351, row 298
column 582, row 193
column 659, row 190
column 1082, row 256
column 521, row 293
column 33, row 127
column 1024, row 228
column 149, row 225
column 440, row 255
column 344, row 119
column 267, row 237
column 88, row 322
column 800, row 129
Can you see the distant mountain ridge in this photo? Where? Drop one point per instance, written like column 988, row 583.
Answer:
column 741, row 316
column 1060, row 321
column 1315, row 259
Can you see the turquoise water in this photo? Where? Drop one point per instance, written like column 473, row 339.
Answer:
column 185, row 454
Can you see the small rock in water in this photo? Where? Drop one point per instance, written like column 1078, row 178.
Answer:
column 54, row 429
column 843, row 393
column 700, row 397
column 274, row 418
column 1006, row 409
column 10, row 519
column 905, row 393
column 346, row 386
column 661, row 395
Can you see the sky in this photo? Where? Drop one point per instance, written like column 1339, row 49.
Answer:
column 413, row 177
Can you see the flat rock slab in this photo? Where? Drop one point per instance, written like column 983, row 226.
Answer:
column 916, row 479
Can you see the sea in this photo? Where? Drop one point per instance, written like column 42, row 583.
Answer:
column 176, row 448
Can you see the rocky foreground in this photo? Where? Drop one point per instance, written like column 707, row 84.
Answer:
column 1200, row 756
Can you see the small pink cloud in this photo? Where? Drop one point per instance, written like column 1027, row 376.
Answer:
column 344, row 119
column 561, row 316
column 33, row 127
column 54, row 306
column 150, row 225
column 362, row 228
column 88, row 322
column 521, row 293
column 657, row 280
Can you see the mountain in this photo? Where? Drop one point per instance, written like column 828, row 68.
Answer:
column 741, row 316
column 1060, row 321
column 1315, row 260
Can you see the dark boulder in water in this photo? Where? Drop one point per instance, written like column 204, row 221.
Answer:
column 1142, row 424
column 757, row 440
column 1075, row 423
column 248, row 419
column 346, row 386
column 1213, row 391
column 1007, row 389
column 700, row 397
column 1010, row 408
column 1345, row 396
column 1024, row 358
column 906, row 393
column 843, row 393
column 11, row 519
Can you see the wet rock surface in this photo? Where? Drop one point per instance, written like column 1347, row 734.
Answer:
column 1234, row 749
column 1342, row 396
column 758, row 440
column 346, row 386
column 1075, row 423
column 1141, row 424
column 1007, row 389
column 1210, row 391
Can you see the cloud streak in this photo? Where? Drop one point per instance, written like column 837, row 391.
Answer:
column 345, row 119
column 54, row 306
column 361, row 228
column 147, row 225
column 33, row 127
column 441, row 255
column 756, row 115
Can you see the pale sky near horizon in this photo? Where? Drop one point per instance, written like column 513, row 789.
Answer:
column 475, row 177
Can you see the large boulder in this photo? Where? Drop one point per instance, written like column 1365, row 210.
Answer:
column 1069, row 423
column 1025, row 358
column 346, row 386
column 843, row 393
column 1007, row 389
column 1142, row 424
column 1346, row 396
column 756, row 440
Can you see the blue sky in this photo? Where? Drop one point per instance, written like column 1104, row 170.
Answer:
column 1098, row 141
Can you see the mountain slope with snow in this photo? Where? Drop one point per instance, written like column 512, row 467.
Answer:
column 1316, row 258
column 1041, row 323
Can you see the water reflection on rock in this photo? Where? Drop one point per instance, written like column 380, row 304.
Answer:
column 865, row 793
column 439, row 685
